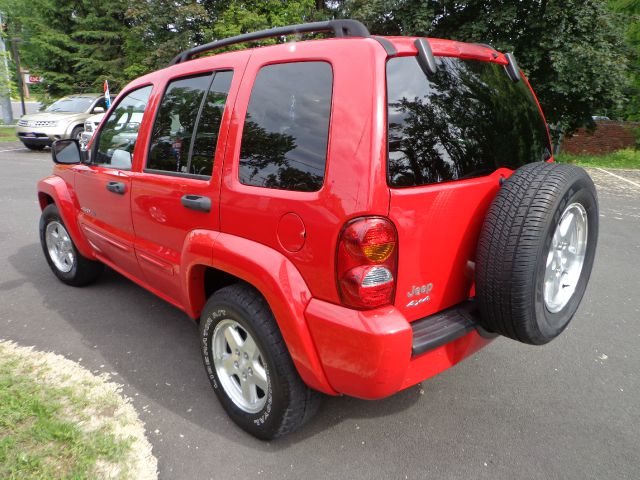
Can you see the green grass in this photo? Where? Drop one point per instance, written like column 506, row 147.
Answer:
column 8, row 134
column 628, row 159
column 38, row 439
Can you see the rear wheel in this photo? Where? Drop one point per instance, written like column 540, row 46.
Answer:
column 249, row 366
column 61, row 253
column 536, row 251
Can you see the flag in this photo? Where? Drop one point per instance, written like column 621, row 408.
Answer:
column 107, row 97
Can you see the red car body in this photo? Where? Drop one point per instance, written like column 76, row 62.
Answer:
column 284, row 242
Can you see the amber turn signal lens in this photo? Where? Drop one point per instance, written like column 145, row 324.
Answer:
column 378, row 253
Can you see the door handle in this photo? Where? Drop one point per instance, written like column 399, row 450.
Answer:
column 196, row 202
column 116, row 187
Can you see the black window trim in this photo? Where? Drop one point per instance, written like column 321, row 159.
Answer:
column 236, row 160
column 194, row 176
column 111, row 109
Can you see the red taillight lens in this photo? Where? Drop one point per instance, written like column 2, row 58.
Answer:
column 366, row 262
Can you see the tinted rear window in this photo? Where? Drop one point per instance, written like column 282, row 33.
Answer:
column 466, row 121
column 284, row 141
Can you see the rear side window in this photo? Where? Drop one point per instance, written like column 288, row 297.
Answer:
column 285, row 135
column 185, row 132
column 466, row 121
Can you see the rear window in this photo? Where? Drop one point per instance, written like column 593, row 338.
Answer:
column 466, row 121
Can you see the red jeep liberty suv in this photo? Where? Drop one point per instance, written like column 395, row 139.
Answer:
column 347, row 215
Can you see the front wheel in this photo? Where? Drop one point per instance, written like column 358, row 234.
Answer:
column 61, row 253
column 249, row 366
column 76, row 133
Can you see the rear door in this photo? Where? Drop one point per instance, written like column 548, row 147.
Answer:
column 451, row 139
column 292, row 173
column 103, row 187
column 178, row 190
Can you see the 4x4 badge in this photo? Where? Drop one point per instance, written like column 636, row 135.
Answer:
column 415, row 291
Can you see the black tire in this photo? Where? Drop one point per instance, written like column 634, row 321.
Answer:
column 34, row 146
column 514, row 244
column 76, row 132
column 289, row 402
column 83, row 271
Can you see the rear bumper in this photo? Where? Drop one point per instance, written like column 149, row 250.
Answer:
column 373, row 354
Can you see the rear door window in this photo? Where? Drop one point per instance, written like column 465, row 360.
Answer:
column 466, row 121
column 286, row 130
column 185, row 132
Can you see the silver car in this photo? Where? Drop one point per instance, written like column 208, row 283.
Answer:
column 62, row 119
column 90, row 126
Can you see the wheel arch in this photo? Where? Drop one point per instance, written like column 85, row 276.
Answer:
column 212, row 260
column 71, row 127
column 54, row 190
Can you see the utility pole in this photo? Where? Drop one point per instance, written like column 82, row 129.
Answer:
column 5, row 82
column 16, row 59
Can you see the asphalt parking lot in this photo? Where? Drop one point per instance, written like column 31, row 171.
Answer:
column 570, row 409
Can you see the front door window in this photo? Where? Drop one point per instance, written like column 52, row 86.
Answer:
column 117, row 138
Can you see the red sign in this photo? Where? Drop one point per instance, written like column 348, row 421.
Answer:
column 28, row 78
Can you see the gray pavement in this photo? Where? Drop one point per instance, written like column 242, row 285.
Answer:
column 569, row 410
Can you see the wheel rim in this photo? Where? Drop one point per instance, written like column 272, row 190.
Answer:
column 240, row 366
column 565, row 258
column 59, row 246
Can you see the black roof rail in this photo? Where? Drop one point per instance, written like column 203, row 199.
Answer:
column 341, row 28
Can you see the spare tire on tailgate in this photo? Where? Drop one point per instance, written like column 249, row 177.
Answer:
column 536, row 250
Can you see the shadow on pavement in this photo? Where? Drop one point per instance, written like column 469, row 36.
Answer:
column 154, row 348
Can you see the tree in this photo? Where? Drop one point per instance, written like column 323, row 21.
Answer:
column 630, row 12
column 159, row 30
column 572, row 50
column 247, row 16
column 46, row 45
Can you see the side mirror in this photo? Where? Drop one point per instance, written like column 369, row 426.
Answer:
column 98, row 110
column 66, row 152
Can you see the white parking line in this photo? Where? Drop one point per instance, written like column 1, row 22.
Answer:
column 13, row 149
column 618, row 176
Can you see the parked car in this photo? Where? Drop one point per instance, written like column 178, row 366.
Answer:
column 61, row 120
column 344, row 215
column 90, row 126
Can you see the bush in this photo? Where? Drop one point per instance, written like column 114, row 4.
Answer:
column 628, row 158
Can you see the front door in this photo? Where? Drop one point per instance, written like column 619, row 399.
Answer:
column 103, row 187
column 178, row 189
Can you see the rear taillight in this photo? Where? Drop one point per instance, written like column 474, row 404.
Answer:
column 366, row 262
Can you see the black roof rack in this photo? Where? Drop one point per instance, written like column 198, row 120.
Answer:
column 341, row 28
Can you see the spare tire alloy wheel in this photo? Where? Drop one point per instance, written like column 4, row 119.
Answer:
column 566, row 257
column 536, row 251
